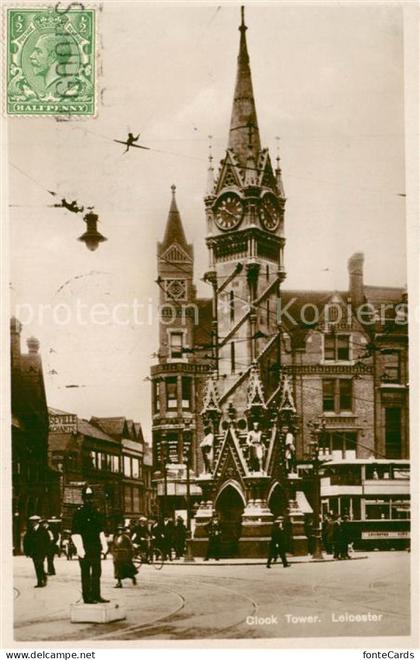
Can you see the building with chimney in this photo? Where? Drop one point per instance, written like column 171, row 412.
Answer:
column 287, row 369
column 35, row 485
column 106, row 452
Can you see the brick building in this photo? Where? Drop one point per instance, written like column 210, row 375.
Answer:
column 35, row 485
column 107, row 452
column 183, row 362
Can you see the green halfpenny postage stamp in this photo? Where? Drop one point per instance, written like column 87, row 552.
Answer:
column 51, row 61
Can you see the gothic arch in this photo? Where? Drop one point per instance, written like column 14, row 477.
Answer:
column 277, row 500
column 233, row 484
column 230, row 504
column 272, row 489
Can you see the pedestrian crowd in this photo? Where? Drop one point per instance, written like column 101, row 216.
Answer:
column 139, row 538
column 143, row 539
column 335, row 535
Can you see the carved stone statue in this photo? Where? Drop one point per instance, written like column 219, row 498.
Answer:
column 290, row 452
column 207, row 449
column 256, row 446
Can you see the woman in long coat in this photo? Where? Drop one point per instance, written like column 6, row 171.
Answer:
column 123, row 551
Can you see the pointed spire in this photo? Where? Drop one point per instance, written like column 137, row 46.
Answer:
column 287, row 402
column 210, row 171
column 255, row 393
column 279, row 179
column 244, row 124
column 174, row 232
column 211, row 396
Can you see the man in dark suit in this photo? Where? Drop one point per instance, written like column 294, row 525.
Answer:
column 213, row 547
column 52, row 548
column 36, row 544
column 278, row 543
column 89, row 538
column 338, row 538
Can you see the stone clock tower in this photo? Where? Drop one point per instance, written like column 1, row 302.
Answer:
column 244, row 480
column 245, row 215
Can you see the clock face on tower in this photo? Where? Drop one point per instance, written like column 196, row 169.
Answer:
column 270, row 213
column 228, row 211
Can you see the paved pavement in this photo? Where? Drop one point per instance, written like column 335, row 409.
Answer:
column 367, row 596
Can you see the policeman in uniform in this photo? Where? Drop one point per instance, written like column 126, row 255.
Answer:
column 214, row 534
column 89, row 539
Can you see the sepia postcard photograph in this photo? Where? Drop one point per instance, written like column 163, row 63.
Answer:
column 210, row 289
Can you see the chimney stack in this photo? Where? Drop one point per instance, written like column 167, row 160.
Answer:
column 33, row 345
column 15, row 330
column 356, row 287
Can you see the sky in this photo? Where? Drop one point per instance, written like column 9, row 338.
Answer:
column 328, row 80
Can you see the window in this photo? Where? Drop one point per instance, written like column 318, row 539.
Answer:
column 173, row 440
column 232, row 357
column 171, row 393
column 340, row 441
column 135, row 468
column 136, row 500
column 346, row 394
column 329, row 347
column 337, row 347
column 328, row 395
column 186, row 393
column 156, row 396
column 337, row 395
column 115, row 465
column 393, row 432
column 176, row 344
column 127, row 498
column 232, row 306
column 127, row 466
column 400, row 509
column 391, row 372
column 377, row 509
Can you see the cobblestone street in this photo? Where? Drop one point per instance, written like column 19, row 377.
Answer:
column 367, row 596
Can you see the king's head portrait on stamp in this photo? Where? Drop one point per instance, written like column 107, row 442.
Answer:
column 52, row 59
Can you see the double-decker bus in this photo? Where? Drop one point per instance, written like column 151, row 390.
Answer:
column 375, row 494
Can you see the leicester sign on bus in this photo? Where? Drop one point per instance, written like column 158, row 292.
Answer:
column 386, row 534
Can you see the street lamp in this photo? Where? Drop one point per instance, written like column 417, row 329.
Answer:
column 187, row 451
column 92, row 237
column 316, row 430
column 163, row 460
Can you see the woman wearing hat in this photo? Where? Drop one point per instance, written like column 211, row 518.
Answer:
column 123, row 551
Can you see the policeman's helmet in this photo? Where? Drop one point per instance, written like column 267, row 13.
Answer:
column 87, row 493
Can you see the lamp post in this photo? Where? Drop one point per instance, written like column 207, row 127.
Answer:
column 163, row 459
column 316, row 430
column 187, row 451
